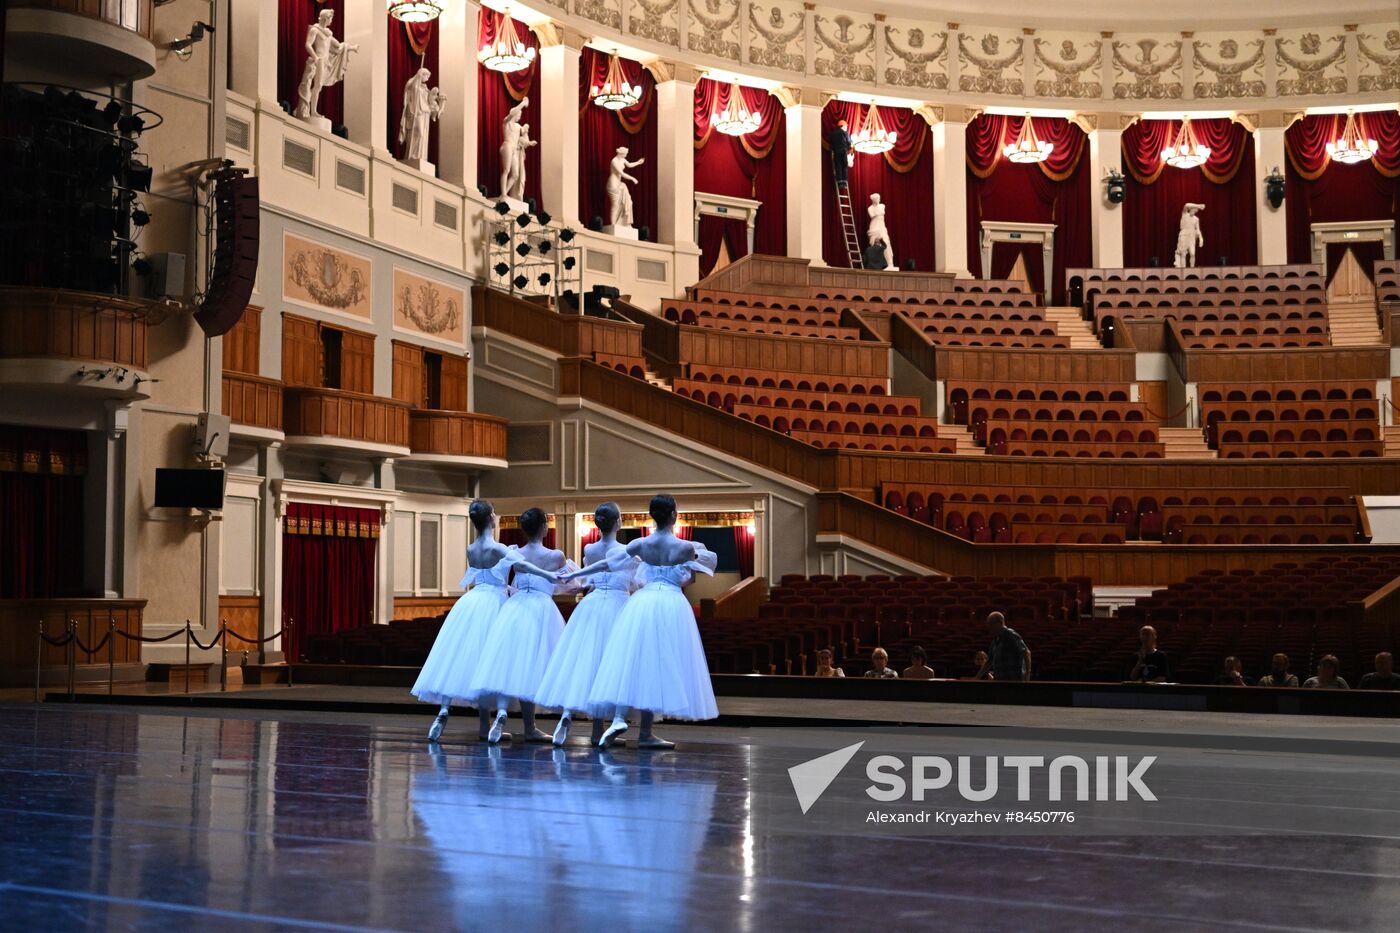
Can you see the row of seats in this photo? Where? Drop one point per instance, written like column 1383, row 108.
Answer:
column 739, row 376
column 1149, row 275
column 727, row 396
column 1286, row 420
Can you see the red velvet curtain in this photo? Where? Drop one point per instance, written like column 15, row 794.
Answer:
column 498, row 92
column 1155, row 193
column 594, row 535
column 903, row 177
column 328, row 570
column 752, row 166
column 685, row 532
column 41, row 512
column 517, row 537
column 1322, row 191
column 1055, row 191
column 411, row 46
column 743, row 549
column 293, row 17
column 602, row 132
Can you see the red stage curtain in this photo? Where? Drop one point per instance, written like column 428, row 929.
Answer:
column 41, row 512
column 496, row 94
column 903, row 177
column 592, row 537
column 685, row 532
column 514, row 536
column 293, row 17
column 1155, row 193
column 743, row 549
column 602, row 131
column 411, row 46
column 328, row 570
column 752, row 166
column 1056, row 191
column 1319, row 190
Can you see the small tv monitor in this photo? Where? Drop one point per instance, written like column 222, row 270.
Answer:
column 189, row 489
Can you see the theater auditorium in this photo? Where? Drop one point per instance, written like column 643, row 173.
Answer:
column 1009, row 390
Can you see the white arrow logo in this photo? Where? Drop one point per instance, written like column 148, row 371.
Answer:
column 811, row 778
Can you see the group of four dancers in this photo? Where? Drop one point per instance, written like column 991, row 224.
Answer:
column 631, row 643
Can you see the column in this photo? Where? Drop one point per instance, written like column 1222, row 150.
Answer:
column 675, row 175
column 556, row 126
column 1271, row 224
column 253, row 51
column 270, row 550
column 805, row 164
column 457, row 127
column 950, row 190
column 1105, row 218
column 367, row 81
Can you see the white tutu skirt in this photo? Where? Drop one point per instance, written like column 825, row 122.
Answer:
column 580, row 650
column 518, row 648
column 654, row 660
column 447, row 673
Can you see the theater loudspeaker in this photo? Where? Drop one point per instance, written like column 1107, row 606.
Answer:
column 167, row 278
column 211, row 435
column 235, row 251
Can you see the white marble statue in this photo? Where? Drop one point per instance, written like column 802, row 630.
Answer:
column 517, row 190
column 514, row 141
column 327, row 61
column 1188, row 235
column 877, row 232
column 421, row 104
column 619, row 195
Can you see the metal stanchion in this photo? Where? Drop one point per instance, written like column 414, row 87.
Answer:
column 286, row 628
column 38, row 659
column 223, row 654
column 72, row 655
column 111, row 651
column 188, row 635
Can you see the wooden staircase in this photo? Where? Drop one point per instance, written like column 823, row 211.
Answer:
column 1391, row 435
column 653, row 379
column 1069, row 322
column 1351, row 306
column 960, row 435
column 1185, row 444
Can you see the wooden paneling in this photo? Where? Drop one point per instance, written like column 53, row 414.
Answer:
column 243, row 343
column 565, row 334
column 422, row 607
column 301, row 351
column 47, row 322
column 356, row 361
column 352, row 416
column 455, row 375
column 19, row 633
column 740, row 601
column 244, row 617
column 253, row 400
column 780, row 275
column 1296, row 364
column 1153, row 396
column 408, row 373
column 702, row 345
column 135, row 15
column 1008, row 364
column 457, row 433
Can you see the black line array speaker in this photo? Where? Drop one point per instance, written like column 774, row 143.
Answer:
column 235, row 251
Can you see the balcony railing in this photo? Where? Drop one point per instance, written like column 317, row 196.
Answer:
column 56, row 323
column 253, row 401
column 457, row 434
column 116, row 38
column 343, row 416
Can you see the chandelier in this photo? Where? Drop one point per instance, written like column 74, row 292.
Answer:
column 615, row 93
column 416, row 11
column 1185, row 151
column 1351, row 147
column 872, row 138
column 736, row 119
column 507, row 53
column 1027, row 148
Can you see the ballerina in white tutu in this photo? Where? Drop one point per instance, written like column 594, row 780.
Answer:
column 446, row 675
column 570, row 674
column 654, row 660
column 523, row 636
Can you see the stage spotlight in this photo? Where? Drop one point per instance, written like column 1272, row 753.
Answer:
column 138, row 177
column 543, row 217
column 286, row 106
column 523, row 249
column 1274, row 188
column 140, row 218
column 595, row 223
column 567, row 234
column 501, row 238
column 502, row 208
column 481, row 190
column 544, row 247
column 544, row 278
column 523, row 220
column 531, row 205
column 142, row 267
column 521, row 281
column 131, row 124
column 112, row 112
column 1117, row 187
column 644, row 234
column 341, row 130
column 568, row 262
column 501, row 268
column 909, row 265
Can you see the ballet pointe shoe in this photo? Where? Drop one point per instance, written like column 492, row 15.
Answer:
column 435, row 730
column 654, row 742
column 497, row 728
column 616, row 730
column 561, row 731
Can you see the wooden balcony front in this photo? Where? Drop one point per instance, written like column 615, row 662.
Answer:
column 19, row 639
column 76, row 341
column 253, row 402
column 458, row 437
column 351, row 421
column 96, row 37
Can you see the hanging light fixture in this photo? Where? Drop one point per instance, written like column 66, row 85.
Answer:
column 1027, row 148
column 1351, row 147
column 872, row 138
column 1185, row 151
column 615, row 93
column 507, row 53
column 736, row 119
column 416, row 11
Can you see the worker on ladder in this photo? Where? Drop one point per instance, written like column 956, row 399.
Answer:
column 839, row 141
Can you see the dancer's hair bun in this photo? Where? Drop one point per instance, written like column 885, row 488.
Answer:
column 480, row 514
column 663, row 509
column 533, row 521
column 606, row 517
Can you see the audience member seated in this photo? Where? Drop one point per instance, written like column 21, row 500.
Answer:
column 1384, row 676
column 1327, row 677
column 979, row 661
column 1232, row 675
column 919, row 669
column 1009, row 659
column 879, row 666
column 1151, row 665
column 1279, row 676
column 825, row 667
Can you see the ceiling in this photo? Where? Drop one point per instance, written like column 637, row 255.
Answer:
column 1133, row 15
